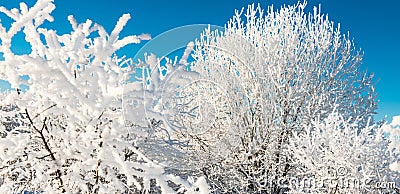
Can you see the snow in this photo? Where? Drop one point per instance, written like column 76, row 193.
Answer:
column 395, row 121
column 395, row 166
column 188, row 50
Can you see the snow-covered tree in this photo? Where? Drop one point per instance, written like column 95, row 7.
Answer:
column 67, row 132
column 264, row 82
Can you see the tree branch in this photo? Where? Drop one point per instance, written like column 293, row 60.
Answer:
column 44, row 111
column 46, row 144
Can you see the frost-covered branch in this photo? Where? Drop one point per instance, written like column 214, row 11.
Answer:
column 46, row 145
column 76, row 87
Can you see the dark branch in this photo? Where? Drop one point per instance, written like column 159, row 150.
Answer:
column 44, row 111
column 46, row 145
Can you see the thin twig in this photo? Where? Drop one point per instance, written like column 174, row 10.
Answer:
column 44, row 111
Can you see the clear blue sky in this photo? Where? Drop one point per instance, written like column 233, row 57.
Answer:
column 374, row 26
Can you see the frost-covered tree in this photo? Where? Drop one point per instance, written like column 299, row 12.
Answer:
column 264, row 82
column 67, row 132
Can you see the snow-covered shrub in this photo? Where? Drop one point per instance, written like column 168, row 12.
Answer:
column 67, row 132
column 341, row 157
column 391, row 133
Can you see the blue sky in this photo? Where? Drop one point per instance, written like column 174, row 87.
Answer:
column 375, row 27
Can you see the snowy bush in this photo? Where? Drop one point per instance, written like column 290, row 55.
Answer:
column 67, row 132
column 341, row 156
column 391, row 133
